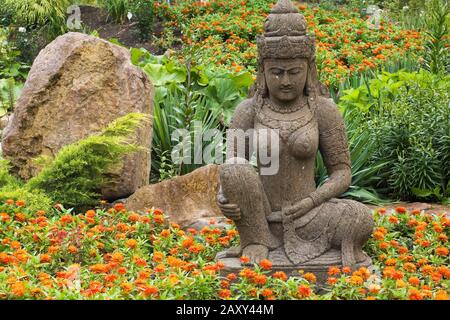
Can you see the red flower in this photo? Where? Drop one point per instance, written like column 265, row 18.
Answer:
column 401, row 209
column 280, row 275
column 245, row 259
column 304, row 291
column 333, row 271
column 266, row 264
column 119, row 207
column 224, row 294
column 442, row 251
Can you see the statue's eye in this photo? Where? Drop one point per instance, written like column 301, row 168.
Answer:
column 277, row 72
column 295, row 71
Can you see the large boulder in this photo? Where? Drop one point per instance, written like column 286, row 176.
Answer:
column 77, row 85
column 188, row 200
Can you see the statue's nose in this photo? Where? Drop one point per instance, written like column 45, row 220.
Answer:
column 285, row 81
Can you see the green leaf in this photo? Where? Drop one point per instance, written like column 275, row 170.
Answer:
column 159, row 74
column 136, row 55
column 244, row 80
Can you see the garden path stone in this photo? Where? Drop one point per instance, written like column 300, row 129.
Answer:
column 188, row 200
column 77, row 85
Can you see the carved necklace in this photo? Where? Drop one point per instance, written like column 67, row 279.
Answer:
column 288, row 126
column 290, row 109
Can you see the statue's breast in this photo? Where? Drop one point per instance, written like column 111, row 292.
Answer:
column 301, row 142
column 304, row 142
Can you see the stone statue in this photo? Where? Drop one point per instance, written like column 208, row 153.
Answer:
column 284, row 217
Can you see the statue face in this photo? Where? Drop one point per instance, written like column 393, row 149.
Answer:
column 285, row 78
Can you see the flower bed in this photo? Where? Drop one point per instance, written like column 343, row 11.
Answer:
column 226, row 31
column 116, row 254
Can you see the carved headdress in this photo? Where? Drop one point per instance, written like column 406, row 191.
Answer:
column 285, row 37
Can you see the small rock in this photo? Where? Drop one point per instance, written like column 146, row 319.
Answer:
column 188, row 200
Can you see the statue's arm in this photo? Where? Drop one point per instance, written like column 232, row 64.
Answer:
column 242, row 120
column 333, row 146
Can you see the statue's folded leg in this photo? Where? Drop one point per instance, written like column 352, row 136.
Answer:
column 241, row 185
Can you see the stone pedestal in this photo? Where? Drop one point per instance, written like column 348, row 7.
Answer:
column 318, row 266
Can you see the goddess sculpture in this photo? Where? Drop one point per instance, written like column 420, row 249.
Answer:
column 283, row 217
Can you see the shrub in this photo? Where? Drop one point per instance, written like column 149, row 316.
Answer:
column 142, row 11
column 74, row 177
column 78, row 171
column 407, row 115
column 436, row 21
column 117, row 9
column 39, row 13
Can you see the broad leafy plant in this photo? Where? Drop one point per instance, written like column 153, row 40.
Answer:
column 190, row 97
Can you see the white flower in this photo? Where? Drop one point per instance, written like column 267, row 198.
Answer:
column 129, row 15
column 405, row 8
column 22, row 29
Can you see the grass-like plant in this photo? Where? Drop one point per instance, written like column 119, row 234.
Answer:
column 39, row 13
column 436, row 21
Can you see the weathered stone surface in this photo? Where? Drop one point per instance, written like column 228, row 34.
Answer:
column 188, row 200
column 77, row 85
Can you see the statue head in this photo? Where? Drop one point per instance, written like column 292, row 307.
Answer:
column 286, row 57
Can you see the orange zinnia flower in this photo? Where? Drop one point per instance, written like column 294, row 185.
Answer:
column 117, row 257
column 157, row 256
column 224, row 294
column 260, row 279
column 244, row 259
column 18, row 289
column 150, row 291
column 160, row 268
column 441, row 295
column 442, row 251
column 99, row 268
column 133, row 217
column 126, row 287
column 20, row 217
column 119, row 207
column 158, row 219
column 247, row 273
column 267, row 293
column 331, row 281
column 393, row 219
column 280, row 275
column 310, row 277
column 131, row 243
column 232, row 276
column 20, row 203
column 415, row 294
column 401, row 209
column 333, row 271
column 72, row 249
column 165, row 233
column 378, row 235
column 356, row 280
column 266, row 264
column 45, row 258
column 304, row 291
column 410, row 267
column 414, row 281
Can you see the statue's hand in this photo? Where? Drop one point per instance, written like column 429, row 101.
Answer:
column 229, row 210
column 299, row 209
